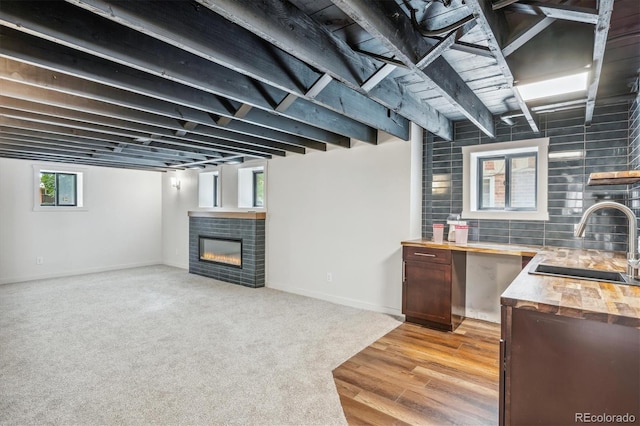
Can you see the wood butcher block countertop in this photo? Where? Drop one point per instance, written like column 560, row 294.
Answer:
column 594, row 300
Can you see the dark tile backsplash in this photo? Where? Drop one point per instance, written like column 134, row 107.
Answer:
column 611, row 143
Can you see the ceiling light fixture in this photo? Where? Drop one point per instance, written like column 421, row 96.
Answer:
column 555, row 86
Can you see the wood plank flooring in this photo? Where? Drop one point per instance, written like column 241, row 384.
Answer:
column 418, row 376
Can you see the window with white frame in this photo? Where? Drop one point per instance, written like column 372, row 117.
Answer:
column 58, row 188
column 506, row 180
column 252, row 187
column 209, row 194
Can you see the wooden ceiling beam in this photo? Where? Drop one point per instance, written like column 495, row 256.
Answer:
column 522, row 36
column 285, row 26
column 125, row 128
column 599, row 46
column 19, row 96
column 86, row 93
column 67, row 25
column 210, row 36
column 54, row 125
column 494, row 25
column 93, row 147
column 556, row 11
column 386, row 21
column 28, row 49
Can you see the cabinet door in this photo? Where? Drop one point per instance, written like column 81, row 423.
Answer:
column 427, row 291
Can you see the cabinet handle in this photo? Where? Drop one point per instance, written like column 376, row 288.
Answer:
column 404, row 269
column 425, row 254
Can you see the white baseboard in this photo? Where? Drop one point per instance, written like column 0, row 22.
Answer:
column 176, row 265
column 354, row 303
column 33, row 277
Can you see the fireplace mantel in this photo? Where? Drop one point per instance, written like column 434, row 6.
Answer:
column 229, row 215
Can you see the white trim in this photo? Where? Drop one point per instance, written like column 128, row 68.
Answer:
column 337, row 299
column 470, row 187
column 81, row 183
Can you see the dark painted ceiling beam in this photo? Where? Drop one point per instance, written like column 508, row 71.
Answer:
column 212, row 37
column 42, row 53
column 556, row 11
column 65, row 153
column 96, row 147
column 126, row 128
column 76, row 108
column 599, row 45
column 85, row 92
column 57, row 134
column 66, row 159
column 49, row 124
column 494, row 25
column 386, row 21
column 68, row 25
column 282, row 24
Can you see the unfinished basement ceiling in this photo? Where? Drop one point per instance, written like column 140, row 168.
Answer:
column 165, row 85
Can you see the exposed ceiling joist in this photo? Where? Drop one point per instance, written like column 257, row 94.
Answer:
column 389, row 24
column 291, row 30
column 55, row 125
column 523, row 35
column 217, row 40
column 599, row 45
column 88, row 94
column 38, row 52
column 556, row 11
column 66, row 24
column 494, row 25
column 122, row 127
column 76, row 108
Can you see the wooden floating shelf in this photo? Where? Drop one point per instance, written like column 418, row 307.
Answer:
column 614, row 178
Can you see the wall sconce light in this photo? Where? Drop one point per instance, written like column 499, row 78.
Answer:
column 175, row 183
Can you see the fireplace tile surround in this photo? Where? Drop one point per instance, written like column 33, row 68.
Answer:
column 246, row 226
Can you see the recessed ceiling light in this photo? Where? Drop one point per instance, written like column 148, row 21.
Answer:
column 555, row 86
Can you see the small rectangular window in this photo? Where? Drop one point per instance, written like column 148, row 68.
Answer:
column 216, row 190
column 58, row 189
column 258, row 188
column 507, row 182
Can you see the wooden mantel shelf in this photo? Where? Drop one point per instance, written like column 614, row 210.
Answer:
column 230, row 215
column 625, row 177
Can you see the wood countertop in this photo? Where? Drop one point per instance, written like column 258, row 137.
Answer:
column 475, row 247
column 594, row 300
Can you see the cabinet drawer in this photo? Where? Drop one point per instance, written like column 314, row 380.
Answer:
column 425, row 254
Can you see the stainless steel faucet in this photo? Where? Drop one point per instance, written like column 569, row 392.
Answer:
column 632, row 256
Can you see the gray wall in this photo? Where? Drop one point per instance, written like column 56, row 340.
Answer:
column 606, row 146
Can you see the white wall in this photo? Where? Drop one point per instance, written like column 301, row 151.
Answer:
column 120, row 228
column 175, row 222
column 342, row 212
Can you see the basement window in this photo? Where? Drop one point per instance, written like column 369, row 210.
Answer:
column 209, row 194
column 252, row 187
column 506, row 180
column 58, row 189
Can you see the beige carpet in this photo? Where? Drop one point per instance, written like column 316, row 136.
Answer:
column 158, row 345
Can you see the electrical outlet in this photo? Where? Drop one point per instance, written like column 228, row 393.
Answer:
column 39, row 260
column 329, row 277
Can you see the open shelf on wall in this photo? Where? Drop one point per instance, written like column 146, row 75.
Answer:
column 625, row 177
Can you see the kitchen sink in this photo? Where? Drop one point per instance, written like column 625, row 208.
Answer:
column 582, row 274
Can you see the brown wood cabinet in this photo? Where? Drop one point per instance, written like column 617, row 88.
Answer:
column 433, row 287
column 559, row 370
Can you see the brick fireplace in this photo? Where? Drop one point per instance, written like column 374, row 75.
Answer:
column 228, row 246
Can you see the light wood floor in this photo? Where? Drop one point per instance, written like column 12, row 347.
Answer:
column 415, row 375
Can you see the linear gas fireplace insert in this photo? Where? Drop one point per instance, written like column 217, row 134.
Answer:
column 226, row 251
column 228, row 246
